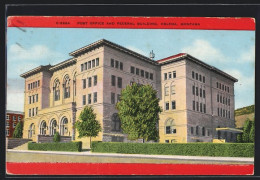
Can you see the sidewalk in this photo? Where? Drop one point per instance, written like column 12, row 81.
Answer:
column 117, row 157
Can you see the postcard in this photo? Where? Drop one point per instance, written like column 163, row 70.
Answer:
column 130, row 95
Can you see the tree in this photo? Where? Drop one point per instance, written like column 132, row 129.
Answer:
column 246, row 131
column 138, row 110
column 87, row 125
column 252, row 133
column 56, row 137
column 239, row 138
column 18, row 132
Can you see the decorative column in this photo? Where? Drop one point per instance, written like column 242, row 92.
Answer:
column 74, row 110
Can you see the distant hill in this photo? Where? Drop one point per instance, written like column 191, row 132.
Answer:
column 244, row 113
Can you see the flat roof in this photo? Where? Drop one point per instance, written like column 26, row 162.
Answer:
column 14, row 112
column 36, row 70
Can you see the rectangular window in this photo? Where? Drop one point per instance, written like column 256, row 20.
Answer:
column 193, row 75
column 204, row 93
column 117, row 64
column 119, row 82
column 95, row 81
column 14, row 124
column 173, row 104
column 112, row 98
column 38, row 83
column 173, row 89
column 223, row 100
column 200, row 107
column 89, row 81
column 200, row 92
column 132, row 69
column 167, row 106
column 200, row 78
column 89, row 65
column 174, row 74
column 36, row 110
column 86, row 65
column 191, row 130
column 221, row 112
column 227, row 89
column 93, row 63
column 165, row 76
column 229, row 114
column 118, row 97
column 83, row 83
column 36, row 97
column 97, row 61
column 229, row 102
column 167, row 141
column 193, row 105
column 32, row 111
column 112, row 62
column 193, row 90
column 84, row 100
column 218, row 111
column 204, row 108
column 219, row 85
column 166, row 91
column 28, row 86
column 95, row 97
column 7, row 117
column 197, row 105
column 142, row 73
column 146, row 75
column 137, row 71
column 32, row 98
column 169, row 75
column 217, row 97
column 113, row 80
column 204, row 79
column 220, row 99
column 14, row 118
column 121, row 66
column 29, row 100
column 222, row 87
column 226, row 114
column 197, row 91
column 7, row 123
column 151, row 76
column 89, row 98
column 196, row 76
column 226, row 101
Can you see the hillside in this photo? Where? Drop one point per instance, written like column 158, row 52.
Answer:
column 242, row 114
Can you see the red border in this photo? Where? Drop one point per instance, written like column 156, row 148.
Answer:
column 126, row 169
column 210, row 23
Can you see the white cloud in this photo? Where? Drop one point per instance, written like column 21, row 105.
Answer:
column 138, row 50
column 203, row 50
column 248, row 56
column 244, row 82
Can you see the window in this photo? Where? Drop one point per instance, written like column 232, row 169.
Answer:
column 119, row 82
column 116, row 123
column 83, row 83
column 86, row 65
column 173, row 89
column 193, row 90
column 167, row 106
column 229, row 102
column 7, row 123
column 95, row 97
column 227, row 89
column 203, row 131
column 222, row 86
column 229, row 114
column 203, row 79
column 121, row 66
column 197, row 130
column 93, row 63
column 165, row 76
column 204, row 93
column 89, row 98
column 204, row 108
column 223, row 100
column 112, row 63
column 137, row 71
column 170, row 127
column 29, row 112
column 64, row 127
column 28, row 86
column 56, row 89
column 146, row 75
column 142, row 73
column 226, row 114
column 133, row 70
column 217, row 97
column 117, row 64
column 36, row 110
column 166, row 91
column 196, row 76
column 95, row 81
column 89, row 65
column 97, row 61
column 29, row 100
column 197, row 105
column 219, row 86
column 200, row 107
column 173, row 105
column 208, row 132
column 36, row 98
column 14, row 118
column 174, row 74
column 191, row 130
column 89, row 81
column 200, row 78
column 193, row 74
column 218, row 111
column 193, row 105
column 167, row 141
column 197, row 91
column 220, row 99
column 66, row 87
column 170, row 75
column 7, row 132
column 221, row 112
column 84, row 100
column 113, row 80
column 7, row 117
column 32, row 111
column 151, row 76
column 43, row 127
column 226, row 101
column 32, row 98
column 112, row 98
column 200, row 92
column 53, row 127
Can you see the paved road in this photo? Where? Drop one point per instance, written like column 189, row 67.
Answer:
column 89, row 157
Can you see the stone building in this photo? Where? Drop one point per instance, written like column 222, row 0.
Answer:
column 196, row 98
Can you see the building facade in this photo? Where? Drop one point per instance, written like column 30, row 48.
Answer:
column 196, row 98
column 12, row 119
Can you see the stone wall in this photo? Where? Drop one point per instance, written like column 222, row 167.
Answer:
column 48, row 138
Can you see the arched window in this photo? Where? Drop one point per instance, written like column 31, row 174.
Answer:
column 43, row 128
column 203, row 131
column 197, row 130
column 53, row 127
column 56, row 90
column 31, row 130
column 66, row 86
column 116, row 123
column 64, row 127
column 170, row 127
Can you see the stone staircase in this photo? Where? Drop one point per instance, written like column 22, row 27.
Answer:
column 12, row 143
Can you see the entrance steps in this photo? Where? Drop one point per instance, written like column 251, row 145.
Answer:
column 12, row 143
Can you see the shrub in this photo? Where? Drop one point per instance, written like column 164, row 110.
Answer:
column 56, row 137
column 187, row 149
column 69, row 146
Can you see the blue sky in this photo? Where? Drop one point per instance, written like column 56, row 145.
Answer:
column 230, row 51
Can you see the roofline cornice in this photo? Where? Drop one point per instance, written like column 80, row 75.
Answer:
column 35, row 70
column 63, row 64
